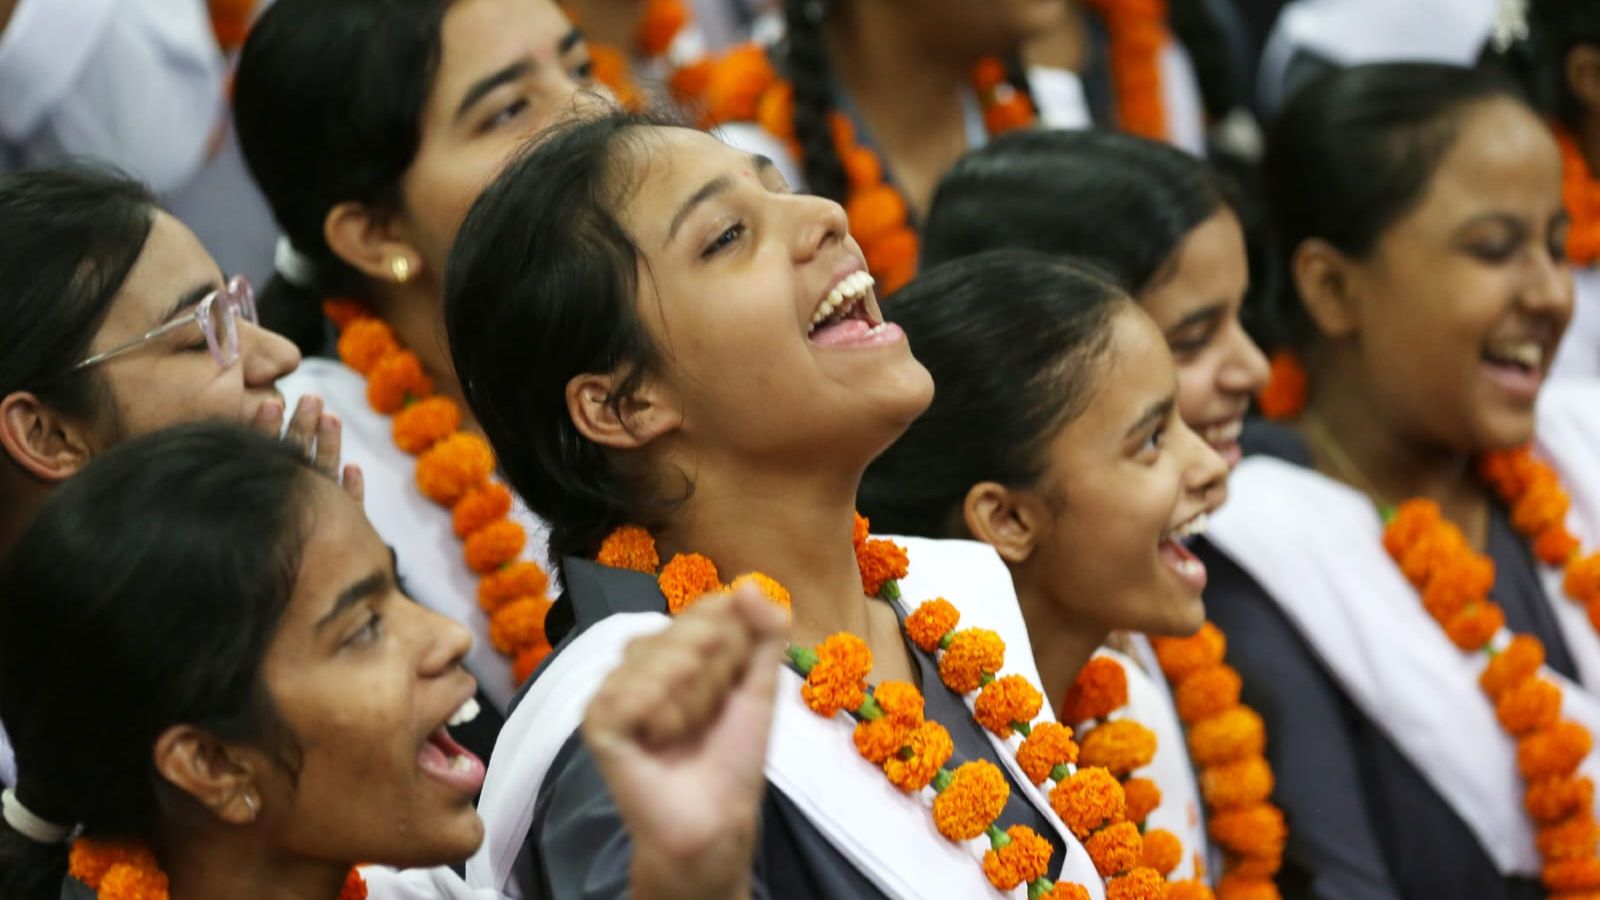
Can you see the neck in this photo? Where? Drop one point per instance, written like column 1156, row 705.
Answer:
column 232, row 863
column 908, row 92
column 1382, row 457
column 1061, row 643
column 414, row 311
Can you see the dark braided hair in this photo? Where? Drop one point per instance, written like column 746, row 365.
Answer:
column 806, row 61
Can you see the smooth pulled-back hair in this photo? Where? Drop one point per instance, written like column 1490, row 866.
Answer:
column 1354, row 152
column 1122, row 203
column 1011, row 339
column 143, row 595
column 542, row 287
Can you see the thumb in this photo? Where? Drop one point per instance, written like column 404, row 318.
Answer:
column 768, row 624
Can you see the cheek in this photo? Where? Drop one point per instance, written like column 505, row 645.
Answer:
column 1198, row 397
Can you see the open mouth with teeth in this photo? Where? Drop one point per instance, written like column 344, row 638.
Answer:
column 1224, row 438
column 844, row 318
column 1184, row 564
column 444, row 759
column 1516, row 365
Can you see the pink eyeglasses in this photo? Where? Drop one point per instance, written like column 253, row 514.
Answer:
column 217, row 314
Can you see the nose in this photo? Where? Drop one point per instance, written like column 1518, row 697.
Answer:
column 1244, row 368
column 1205, row 472
column 445, row 644
column 1549, row 290
column 265, row 355
column 820, row 224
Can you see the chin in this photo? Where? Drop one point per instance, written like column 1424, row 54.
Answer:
column 1181, row 616
column 1504, row 430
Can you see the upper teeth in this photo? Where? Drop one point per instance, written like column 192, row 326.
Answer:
column 1527, row 353
column 1223, row 434
column 467, row 712
column 844, row 295
column 1193, row 527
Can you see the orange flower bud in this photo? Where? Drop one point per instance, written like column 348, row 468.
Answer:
column 1473, row 627
column 928, row 747
column 1100, row 689
column 424, row 423
column 1162, row 851
column 1531, row 704
column 1139, row 884
column 930, row 622
column 1555, row 798
column 1256, row 831
column 1552, row 751
column 1572, row 875
column 481, row 506
column 1192, row 889
column 973, row 652
column 1180, row 657
column 1235, row 887
column 878, row 739
column 1120, row 746
column 659, row 24
column 1049, row 745
column 900, row 702
column 1116, row 849
column 529, row 658
column 1573, row 838
column 454, row 466
column 629, row 547
column 1244, row 783
column 1285, row 394
column 881, row 562
column 769, row 587
column 1208, row 692
column 396, row 380
column 1144, row 796
column 1522, row 657
column 1232, row 736
column 1004, row 701
column 364, row 342
column 687, row 578
column 1025, row 860
column 973, row 800
column 520, row 579
column 1088, row 800
column 494, row 545
column 518, row 624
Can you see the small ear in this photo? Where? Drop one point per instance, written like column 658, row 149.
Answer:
column 1007, row 520
column 1582, row 71
column 628, row 423
column 1323, row 277
column 361, row 238
column 216, row 774
column 46, row 444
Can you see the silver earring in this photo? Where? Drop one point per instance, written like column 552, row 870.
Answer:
column 250, row 804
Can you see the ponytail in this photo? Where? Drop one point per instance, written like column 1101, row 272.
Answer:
column 812, row 77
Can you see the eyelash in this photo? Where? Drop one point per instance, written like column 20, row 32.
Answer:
column 1154, row 441
column 723, row 240
column 368, row 633
column 505, row 115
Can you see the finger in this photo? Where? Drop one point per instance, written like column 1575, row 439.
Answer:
column 329, row 437
column 355, row 483
column 269, row 418
column 303, row 424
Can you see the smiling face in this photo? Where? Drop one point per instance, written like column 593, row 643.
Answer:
column 1458, row 310
column 1197, row 309
column 365, row 680
column 507, row 69
column 174, row 379
column 735, row 270
column 1126, row 480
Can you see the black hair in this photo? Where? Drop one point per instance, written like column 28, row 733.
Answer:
column 328, row 101
column 1011, row 338
column 541, row 287
column 139, row 598
column 1123, row 203
column 805, row 62
column 1354, row 152
column 1556, row 28
column 69, row 236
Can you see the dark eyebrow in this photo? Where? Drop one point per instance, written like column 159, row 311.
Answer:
column 491, row 81
column 568, row 41
column 1498, row 218
column 1154, row 413
column 190, row 298
column 355, row 593
column 1214, row 311
column 711, row 189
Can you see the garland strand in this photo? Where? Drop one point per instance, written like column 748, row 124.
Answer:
column 126, row 870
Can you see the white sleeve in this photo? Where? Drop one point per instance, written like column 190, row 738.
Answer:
column 135, row 83
column 1058, row 95
column 8, row 762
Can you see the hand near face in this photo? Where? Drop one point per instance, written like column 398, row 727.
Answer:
column 680, row 733
column 316, row 433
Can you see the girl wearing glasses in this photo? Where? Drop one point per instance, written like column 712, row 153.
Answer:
column 219, row 689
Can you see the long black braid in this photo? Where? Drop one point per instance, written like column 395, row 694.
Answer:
column 806, row 64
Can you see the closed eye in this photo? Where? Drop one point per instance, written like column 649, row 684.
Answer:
column 723, row 240
column 367, row 634
column 509, row 113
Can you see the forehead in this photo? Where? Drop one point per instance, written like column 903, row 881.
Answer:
column 338, row 547
column 480, row 37
column 1133, row 372
column 666, row 167
column 172, row 263
column 1502, row 157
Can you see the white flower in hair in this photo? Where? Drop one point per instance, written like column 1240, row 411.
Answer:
column 1510, row 25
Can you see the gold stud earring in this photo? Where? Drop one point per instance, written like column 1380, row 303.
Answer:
column 400, row 268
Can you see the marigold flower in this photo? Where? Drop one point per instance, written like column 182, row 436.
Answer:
column 482, row 505
column 1541, row 507
column 1235, row 887
column 878, row 739
column 737, row 83
column 1244, row 783
column 134, row 883
column 687, row 578
column 860, row 530
column 1009, row 114
column 629, row 547
column 881, row 562
column 494, row 545
column 768, row 586
column 847, row 651
column 1025, row 860
column 930, row 622
column 839, row 679
column 901, row 702
column 1411, row 520
column 1432, row 552
column 1555, row 546
column 1228, row 737
column 1100, row 688
column 659, row 24
column 862, row 167
column 518, row 624
column 1556, row 750
column 1120, row 746
column 1208, row 692
column 89, row 860
column 1506, row 471
column 1572, row 875
column 1139, row 884
column 1573, row 838
column 355, row 887
column 1555, row 798
column 365, row 342
column 1520, row 658
column 520, row 579
column 1192, row 889
column 842, row 129
column 988, row 74
column 892, row 257
column 396, row 380
column 1162, row 850
column 1181, row 656
column 453, row 466
column 1257, row 866
column 1531, row 704
column 342, row 311
column 1582, row 580
column 1285, row 394
column 1116, row 848
column 775, row 111
column 1144, row 796
column 1004, row 701
column 1450, row 590
column 1256, row 831
column 1066, row 890
column 689, row 82
column 1048, row 745
column 425, row 422
column 1473, row 627
column 928, row 747
column 973, row 652
column 529, row 658
column 973, row 800
column 1088, row 800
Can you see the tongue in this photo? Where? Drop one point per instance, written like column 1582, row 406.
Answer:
column 845, row 331
column 1172, row 551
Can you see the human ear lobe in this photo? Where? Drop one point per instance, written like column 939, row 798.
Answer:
column 1002, row 518
column 629, row 422
column 1325, row 281
column 45, row 443
column 215, row 774
column 369, row 244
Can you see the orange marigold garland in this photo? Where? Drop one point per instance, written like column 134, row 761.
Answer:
column 121, row 870
column 1581, row 192
column 1137, row 31
column 1527, row 703
column 1284, row 397
column 455, row 469
column 1227, row 741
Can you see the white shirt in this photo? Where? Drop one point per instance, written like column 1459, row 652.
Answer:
column 1579, row 354
column 8, row 762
